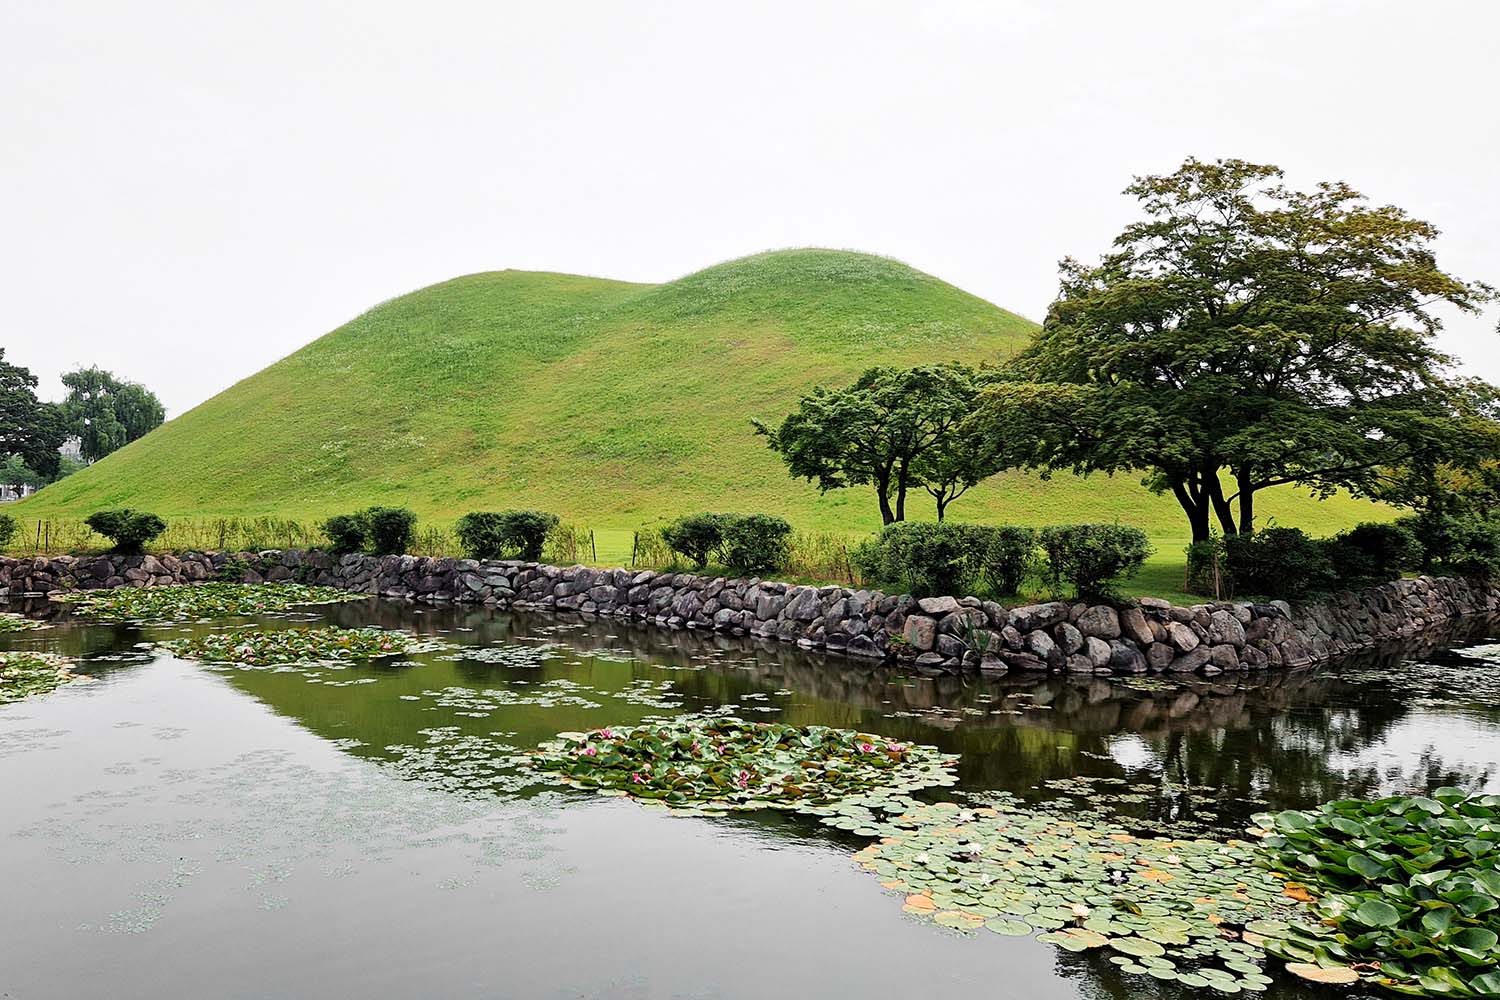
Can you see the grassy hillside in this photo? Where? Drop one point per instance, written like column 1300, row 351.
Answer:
column 612, row 404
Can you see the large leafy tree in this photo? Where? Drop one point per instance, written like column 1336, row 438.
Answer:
column 894, row 429
column 106, row 413
column 1245, row 335
column 30, row 430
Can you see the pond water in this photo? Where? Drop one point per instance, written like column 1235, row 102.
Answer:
column 171, row 829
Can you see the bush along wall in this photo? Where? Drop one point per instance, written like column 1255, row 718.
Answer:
column 937, row 634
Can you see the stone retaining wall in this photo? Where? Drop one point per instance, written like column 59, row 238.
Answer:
column 942, row 634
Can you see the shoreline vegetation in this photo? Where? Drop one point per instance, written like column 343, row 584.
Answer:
column 813, row 556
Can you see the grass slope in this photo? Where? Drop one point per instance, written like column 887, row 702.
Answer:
column 610, row 403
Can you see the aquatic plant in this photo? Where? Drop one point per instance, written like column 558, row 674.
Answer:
column 11, row 622
column 1407, row 891
column 1192, row 911
column 197, row 602
column 23, row 674
column 260, row 647
column 722, row 762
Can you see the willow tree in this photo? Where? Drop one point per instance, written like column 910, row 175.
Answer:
column 1244, row 335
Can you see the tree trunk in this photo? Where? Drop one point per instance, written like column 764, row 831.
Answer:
column 883, row 491
column 1247, row 503
column 942, row 504
column 1196, row 506
column 1222, row 506
column 901, row 484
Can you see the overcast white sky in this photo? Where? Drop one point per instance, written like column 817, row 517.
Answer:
column 189, row 191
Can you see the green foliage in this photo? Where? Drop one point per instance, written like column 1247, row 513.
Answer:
column 106, row 413
column 346, row 533
column 726, row 763
column 259, row 647
column 1206, row 570
column 1249, row 335
column 517, row 534
column 892, row 429
column 197, row 602
column 1279, row 562
column 129, row 529
column 1093, row 557
column 922, row 558
column 24, row 673
column 945, row 559
column 1009, row 554
column 755, row 543
column 8, row 529
column 1464, row 544
column 696, row 537
column 389, row 529
column 1373, row 552
column 30, row 430
column 1411, row 884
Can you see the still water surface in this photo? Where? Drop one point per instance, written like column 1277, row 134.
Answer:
column 173, row 830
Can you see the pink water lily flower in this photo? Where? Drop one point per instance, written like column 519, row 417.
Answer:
column 607, row 733
column 590, row 752
column 867, row 748
column 744, row 779
column 636, row 777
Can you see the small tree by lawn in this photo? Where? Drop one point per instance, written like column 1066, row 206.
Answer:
column 893, row 429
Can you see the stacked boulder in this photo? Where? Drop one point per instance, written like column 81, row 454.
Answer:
column 931, row 634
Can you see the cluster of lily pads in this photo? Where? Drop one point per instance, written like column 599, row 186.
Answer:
column 1191, row 911
column 1408, row 891
column 722, row 762
column 25, row 673
column 261, row 647
column 11, row 622
column 197, row 602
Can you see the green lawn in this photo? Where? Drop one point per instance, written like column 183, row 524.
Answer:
column 615, row 405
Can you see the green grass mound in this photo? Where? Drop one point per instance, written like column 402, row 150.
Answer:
column 609, row 403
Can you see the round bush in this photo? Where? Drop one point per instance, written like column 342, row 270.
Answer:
column 696, row 537
column 755, row 543
column 1278, row 562
column 518, row 534
column 389, row 529
column 1373, row 552
column 925, row 559
column 8, row 529
column 1009, row 552
column 129, row 529
column 346, row 533
column 1094, row 557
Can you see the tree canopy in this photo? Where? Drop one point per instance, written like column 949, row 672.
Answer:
column 1245, row 335
column 106, row 413
column 30, row 430
column 893, row 429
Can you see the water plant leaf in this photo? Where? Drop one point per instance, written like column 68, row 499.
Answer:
column 1338, row 975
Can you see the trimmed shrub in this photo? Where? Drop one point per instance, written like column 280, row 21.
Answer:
column 8, row 529
column 346, row 533
column 1093, row 557
column 925, row 559
column 1373, row 552
column 1279, row 562
column 389, row 530
column 1206, row 571
column 696, row 537
column 1008, row 554
column 754, row 543
column 518, row 534
column 129, row 529
column 1462, row 544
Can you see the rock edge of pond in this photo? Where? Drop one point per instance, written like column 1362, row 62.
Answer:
column 936, row 634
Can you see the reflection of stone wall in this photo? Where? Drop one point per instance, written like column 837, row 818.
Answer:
column 943, row 634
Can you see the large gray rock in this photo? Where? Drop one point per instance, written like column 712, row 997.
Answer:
column 1101, row 621
column 1041, row 644
column 1031, row 617
column 920, row 632
column 805, row 605
column 1097, row 650
column 938, row 606
column 1133, row 625
column 1225, row 627
column 1068, row 637
column 1183, row 638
